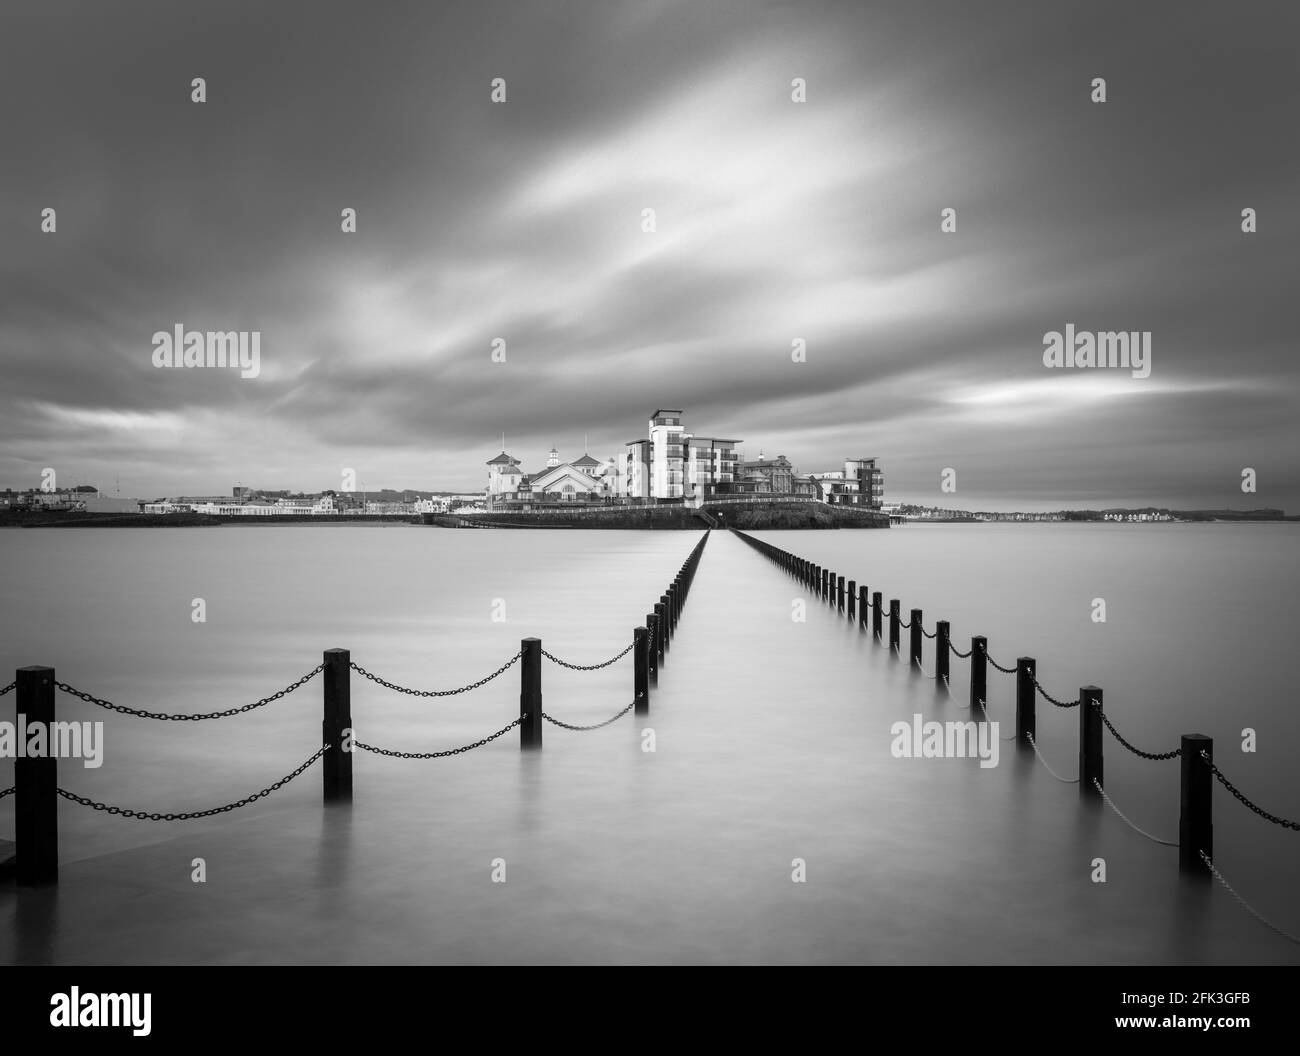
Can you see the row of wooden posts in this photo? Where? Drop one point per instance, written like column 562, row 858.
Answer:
column 1196, row 780
column 36, row 815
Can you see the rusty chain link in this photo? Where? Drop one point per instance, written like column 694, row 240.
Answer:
column 434, row 692
column 1244, row 801
column 1157, row 756
column 439, row 755
column 568, row 726
column 141, row 714
column 190, row 815
column 1047, row 696
column 589, row 667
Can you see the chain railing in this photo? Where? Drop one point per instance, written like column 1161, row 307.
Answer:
column 1141, row 832
column 140, row 713
column 1209, row 864
column 392, row 753
column 1004, row 670
column 957, row 652
column 1051, row 699
column 435, row 692
column 1033, row 743
column 7, row 791
column 1156, row 756
column 144, row 815
column 1241, row 798
column 589, row 667
column 583, row 729
column 8, row 688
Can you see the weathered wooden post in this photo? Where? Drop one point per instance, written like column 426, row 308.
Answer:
column 853, row 598
column 894, row 620
column 979, row 671
column 876, row 616
column 652, row 647
column 661, row 631
column 36, row 783
column 673, row 609
column 942, row 651
column 337, row 764
column 916, row 637
column 641, row 671
column 1196, row 804
column 1026, row 720
column 1090, row 767
column 530, row 694
column 864, row 605
column 839, row 590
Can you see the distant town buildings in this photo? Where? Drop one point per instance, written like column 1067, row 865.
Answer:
column 673, row 465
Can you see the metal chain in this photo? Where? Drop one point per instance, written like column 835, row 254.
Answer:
column 1157, row 756
column 926, row 633
column 141, row 714
column 567, row 726
column 440, row 755
column 589, row 667
column 1004, row 670
column 1244, row 801
column 1243, row 903
column 1001, row 737
column 959, row 653
column 1033, row 743
column 905, row 624
column 8, row 688
column 952, row 696
column 1047, row 696
column 8, row 791
column 151, row 816
column 435, row 692
column 1123, row 817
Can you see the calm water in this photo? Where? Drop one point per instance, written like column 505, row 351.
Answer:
column 772, row 743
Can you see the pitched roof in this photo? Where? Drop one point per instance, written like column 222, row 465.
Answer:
column 503, row 459
column 585, row 460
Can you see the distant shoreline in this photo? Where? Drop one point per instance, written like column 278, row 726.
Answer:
column 74, row 519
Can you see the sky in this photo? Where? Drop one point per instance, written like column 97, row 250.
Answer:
column 774, row 220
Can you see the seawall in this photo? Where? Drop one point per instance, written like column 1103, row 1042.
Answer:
column 755, row 515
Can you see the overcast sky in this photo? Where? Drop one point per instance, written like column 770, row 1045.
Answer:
column 775, row 220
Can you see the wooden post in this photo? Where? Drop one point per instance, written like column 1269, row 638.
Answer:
column 894, row 619
column 1195, row 813
column 1090, row 741
column 1026, row 721
column 853, row 599
column 979, row 673
column 839, row 591
column 652, row 647
column 942, row 652
column 337, row 764
column 661, row 627
column 672, row 603
column 864, row 605
column 36, row 782
column 530, row 694
column 876, row 603
column 916, row 637
column 641, row 671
